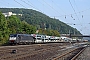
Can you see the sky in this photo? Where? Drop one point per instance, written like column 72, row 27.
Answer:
column 75, row 13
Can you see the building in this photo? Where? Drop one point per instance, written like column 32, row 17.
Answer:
column 10, row 13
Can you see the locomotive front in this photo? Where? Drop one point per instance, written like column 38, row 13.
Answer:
column 12, row 38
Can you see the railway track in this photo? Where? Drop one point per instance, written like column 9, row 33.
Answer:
column 39, row 52
column 28, row 52
column 71, row 55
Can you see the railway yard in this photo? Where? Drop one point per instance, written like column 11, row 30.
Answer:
column 49, row 51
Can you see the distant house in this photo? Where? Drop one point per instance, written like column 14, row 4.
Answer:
column 10, row 13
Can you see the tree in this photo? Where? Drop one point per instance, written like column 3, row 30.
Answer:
column 3, row 28
column 27, row 28
column 49, row 32
column 14, row 24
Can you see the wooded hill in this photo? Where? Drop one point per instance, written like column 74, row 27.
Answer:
column 41, row 20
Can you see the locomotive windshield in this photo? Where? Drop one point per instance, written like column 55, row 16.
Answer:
column 13, row 35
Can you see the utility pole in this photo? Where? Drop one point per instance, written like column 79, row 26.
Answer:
column 69, row 34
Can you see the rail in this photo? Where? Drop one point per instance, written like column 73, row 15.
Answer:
column 78, row 54
column 71, row 55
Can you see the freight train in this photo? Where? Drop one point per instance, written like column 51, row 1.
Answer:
column 35, row 38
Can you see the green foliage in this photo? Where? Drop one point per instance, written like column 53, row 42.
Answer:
column 26, row 28
column 49, row 32
column 13, row 25
column 53, row 33
column 3, row 28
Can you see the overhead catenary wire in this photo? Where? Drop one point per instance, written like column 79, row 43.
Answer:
column 65, row 15
column 19, row 3
column 73, row 8
column 47, row 7
column 42, row 4
column 27, row 4
column 77, row 7
column 59, row 15
column 51, row 7
column 80, row 14
column 59, row 7
column 31, row 5
column 54, row 16
column 71, row 15
column 75, row 12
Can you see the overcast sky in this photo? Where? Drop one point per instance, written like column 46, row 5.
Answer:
column 75, row 13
